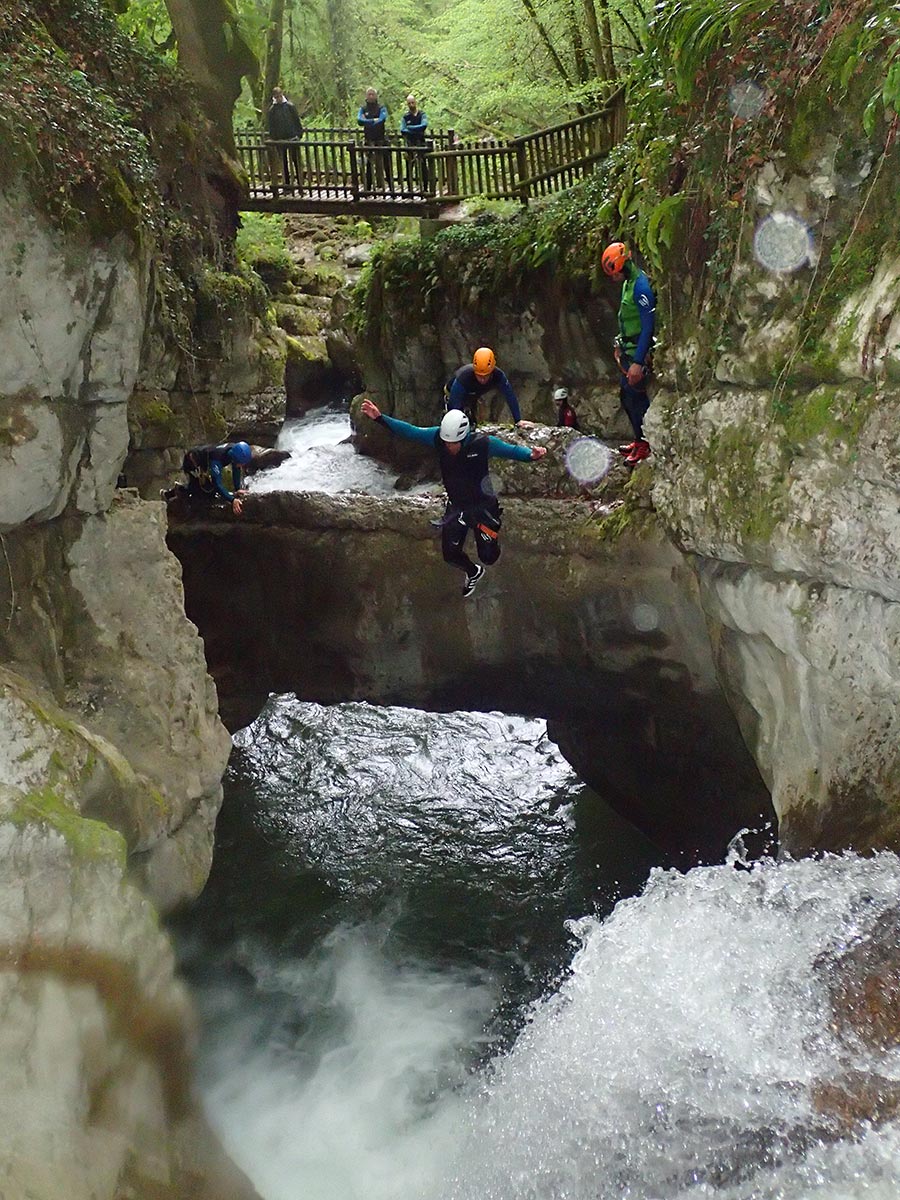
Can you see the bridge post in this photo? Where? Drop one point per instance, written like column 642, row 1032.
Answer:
column 354, row 171
column 522, row 171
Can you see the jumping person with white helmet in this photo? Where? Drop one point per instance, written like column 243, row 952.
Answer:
column 470, row 382
column 471, row 501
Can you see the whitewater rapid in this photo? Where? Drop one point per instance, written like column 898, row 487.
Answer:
column 678, row 1058
column 323, row 459
column 383, row 1019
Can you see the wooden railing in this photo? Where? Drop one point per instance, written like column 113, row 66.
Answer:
column 443, row 139
column 334, row 170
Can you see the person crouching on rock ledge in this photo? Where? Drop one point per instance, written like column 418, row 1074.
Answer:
column 204, row 465
column 471, row 503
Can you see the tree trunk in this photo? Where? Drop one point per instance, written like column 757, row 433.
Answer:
column 274, row 41
column 578, row 50
column 590, row 15
column 338, row 19
column 212, row 51
column 608, row 57
column 546, row 39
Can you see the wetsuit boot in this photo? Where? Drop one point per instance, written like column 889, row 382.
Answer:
column 638, row 454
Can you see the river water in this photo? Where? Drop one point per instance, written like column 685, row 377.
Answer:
column 430, row 965
column 322, row 458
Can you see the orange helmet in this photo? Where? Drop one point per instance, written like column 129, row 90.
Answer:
column 483, row 361
column 615, row 256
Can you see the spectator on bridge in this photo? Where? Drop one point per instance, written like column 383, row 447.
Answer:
column 566, row 415
column 413, row 124
column 471, row 502
column 372, row 116
column 204, row 465
column 466, row 387
column 285, row 128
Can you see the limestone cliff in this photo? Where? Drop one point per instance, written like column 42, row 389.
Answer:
column 111, row 748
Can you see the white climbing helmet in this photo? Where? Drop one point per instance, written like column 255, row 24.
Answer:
column 455, row 426
column 561, row 393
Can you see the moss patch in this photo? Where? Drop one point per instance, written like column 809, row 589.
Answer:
column 634, row 517
column 833, row 414
column 90, row 840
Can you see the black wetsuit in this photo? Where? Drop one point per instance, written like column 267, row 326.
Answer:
column 465, row 389
column 471, row 502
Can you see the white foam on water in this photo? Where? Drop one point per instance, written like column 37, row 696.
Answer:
column 678, row 1058
column 345, row 1110
column 676, row 1061
column 322, row 459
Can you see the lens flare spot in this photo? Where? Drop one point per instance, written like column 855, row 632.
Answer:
column 645, row 618
column 491, row 485
column 746, row 99
column 588, row 460
column 782, row 243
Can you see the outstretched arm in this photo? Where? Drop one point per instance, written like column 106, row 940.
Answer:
column 497, row 448
column 511, row 399
column 412, row 433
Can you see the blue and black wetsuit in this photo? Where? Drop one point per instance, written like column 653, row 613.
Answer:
column 471, row 501
column 465, row 389
column 412, row 129
column 204, row 465
column 637, row 322
column 372, row 116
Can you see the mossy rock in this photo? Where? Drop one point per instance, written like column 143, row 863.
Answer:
column 829, row 413
column 86, row 773
column 298, row 320
column 89, row 840
column 276, row 270
column 307, row 350
column 321, row 279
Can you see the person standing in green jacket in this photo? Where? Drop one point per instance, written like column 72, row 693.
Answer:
column 634, row 343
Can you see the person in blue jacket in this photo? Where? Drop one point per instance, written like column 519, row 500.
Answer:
column 634, row 343
column 204, row 465
column 413, row 125
column 372, row 116
column 471, row 501
column 473, row 380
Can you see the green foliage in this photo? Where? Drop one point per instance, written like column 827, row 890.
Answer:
column 694, row 29
column 67, row 115
column 261, row 241
column 108, row 137
column 488, row 253
column 148, row 22
column 478, row 66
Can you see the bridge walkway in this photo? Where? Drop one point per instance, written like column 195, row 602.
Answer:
column 330, row 170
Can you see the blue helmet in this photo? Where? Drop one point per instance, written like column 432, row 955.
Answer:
column 241, row 453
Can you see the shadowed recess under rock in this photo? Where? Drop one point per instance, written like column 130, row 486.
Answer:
column 347, row 598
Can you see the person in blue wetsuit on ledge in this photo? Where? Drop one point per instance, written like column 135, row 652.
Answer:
column 634, row 344
column 471, row 382
column 204, row 465
column 471, row 502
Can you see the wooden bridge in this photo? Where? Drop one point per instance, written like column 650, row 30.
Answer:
column 333, row 171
